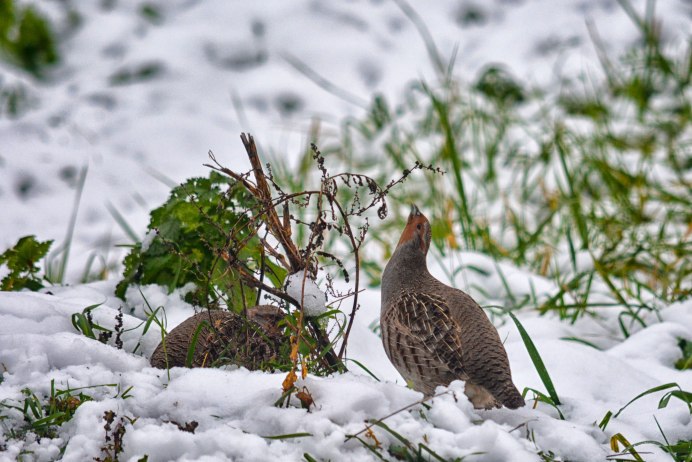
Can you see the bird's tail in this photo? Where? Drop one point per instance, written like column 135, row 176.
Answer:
column 510, row 397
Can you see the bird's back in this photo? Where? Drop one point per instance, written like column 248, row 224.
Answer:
column 483, row 354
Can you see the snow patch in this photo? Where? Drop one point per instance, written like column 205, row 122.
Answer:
column 312, row 298
column 148, row 239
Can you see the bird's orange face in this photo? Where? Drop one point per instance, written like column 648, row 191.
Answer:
column 417, row 229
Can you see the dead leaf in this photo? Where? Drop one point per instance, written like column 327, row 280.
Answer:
column 370, row 434
column 305, row 398
column 294, row 352
column 290, row 379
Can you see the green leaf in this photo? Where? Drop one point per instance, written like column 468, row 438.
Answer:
column 362, row 366
column 22, row 261
column 81, row 322
column 684, row 396
column 606, row 419
column 201, row 225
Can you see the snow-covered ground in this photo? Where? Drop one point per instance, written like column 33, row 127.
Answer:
column 235, row 408
column 223, row 67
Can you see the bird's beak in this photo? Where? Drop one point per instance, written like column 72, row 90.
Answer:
column 415, row 211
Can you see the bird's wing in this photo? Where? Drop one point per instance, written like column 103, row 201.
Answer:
column 427, row 318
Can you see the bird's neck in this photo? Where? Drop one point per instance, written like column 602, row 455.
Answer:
column 406, row 269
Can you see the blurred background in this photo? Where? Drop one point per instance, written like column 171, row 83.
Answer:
column 106, row 104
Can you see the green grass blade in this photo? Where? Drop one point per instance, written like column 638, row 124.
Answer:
column 359, row 364
column 70, row 228
column 647, row 392
column 542, row 397
column 580, row 340
column 288, row 436
column 435, row 455
column 193, row 343
column 684, row 396
column 120, row 220
column 536, row 358
column 396, row 435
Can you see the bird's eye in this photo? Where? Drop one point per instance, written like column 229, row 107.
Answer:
column 419, row 226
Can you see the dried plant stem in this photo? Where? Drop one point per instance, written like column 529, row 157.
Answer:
column 281, row 230
column 356, row 247
column 398, row 411
column 282, row 234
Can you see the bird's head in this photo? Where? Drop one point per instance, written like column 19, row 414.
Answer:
column 417, row 232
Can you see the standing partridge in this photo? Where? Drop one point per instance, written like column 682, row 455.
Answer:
column 434, row 334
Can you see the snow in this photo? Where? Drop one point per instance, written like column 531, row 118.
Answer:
column 226, row 67
column 148, row 239
column 306, row 292
column 235, row 408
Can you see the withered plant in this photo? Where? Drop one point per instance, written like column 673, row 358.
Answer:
column 234, row 237
column 345, row 216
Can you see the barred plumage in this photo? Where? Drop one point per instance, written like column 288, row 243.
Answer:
column 434, row 334
column 224, row 337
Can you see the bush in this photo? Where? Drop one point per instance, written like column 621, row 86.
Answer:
column 190, row 241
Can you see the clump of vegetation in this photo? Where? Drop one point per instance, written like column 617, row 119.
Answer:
column 26, row 38
column 84, row 323
column 228, row 240
column 203, row 222
column 43, row 416
column 113, row 439
column 679, row 451
column 685, row 362
column 22, row 263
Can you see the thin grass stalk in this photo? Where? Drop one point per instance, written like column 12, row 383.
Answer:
column 70, row 227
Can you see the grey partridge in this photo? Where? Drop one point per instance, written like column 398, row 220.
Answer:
column 434, row 334
column 223, row 337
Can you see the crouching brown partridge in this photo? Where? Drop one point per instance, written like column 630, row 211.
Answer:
column 434, row 334
column 216, row 337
